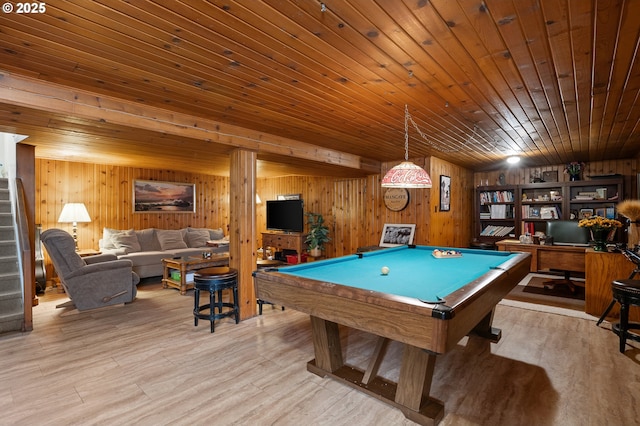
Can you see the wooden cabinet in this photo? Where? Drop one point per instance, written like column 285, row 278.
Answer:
column 280, row 241
column 601, row 269
column 527, row 208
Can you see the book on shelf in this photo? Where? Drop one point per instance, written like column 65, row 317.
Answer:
column 528, row 228
column 498, row 211
column 496, row 231
column 488, row 197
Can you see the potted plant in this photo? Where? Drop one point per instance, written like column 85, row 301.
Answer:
column 318, row 234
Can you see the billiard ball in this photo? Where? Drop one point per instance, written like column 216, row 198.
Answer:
column 384, row 270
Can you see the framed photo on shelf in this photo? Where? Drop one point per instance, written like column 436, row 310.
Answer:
column 602, row 212
column 586, row 213
column 397, row 234
column 548, row 213
column 534, row 213
column 150, row 196
column 445, row 193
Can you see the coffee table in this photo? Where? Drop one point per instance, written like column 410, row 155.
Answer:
column 187, row 264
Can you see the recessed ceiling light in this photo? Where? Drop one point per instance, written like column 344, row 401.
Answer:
column 513, row 159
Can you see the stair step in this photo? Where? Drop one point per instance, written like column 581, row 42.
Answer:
column 6, row 219
column 11, row 304
column 10, row 282
column 11, row 322
column 5, row 206
column 4, row 183
column 9, row 264
column 8, row 248
column 7, row 233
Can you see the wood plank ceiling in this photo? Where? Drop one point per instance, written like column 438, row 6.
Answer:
column 321, row 86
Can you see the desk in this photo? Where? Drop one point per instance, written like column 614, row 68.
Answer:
column 544, row 258
column 350, row 290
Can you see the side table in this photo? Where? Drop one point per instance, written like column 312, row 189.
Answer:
column 188, row 264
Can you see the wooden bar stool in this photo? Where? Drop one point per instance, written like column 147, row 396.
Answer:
column 626, row 293
column 214, row 280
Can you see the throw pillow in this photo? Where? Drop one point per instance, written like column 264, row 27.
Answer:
column 216, row 234
column 127, row 241
column 107, row 237
column 170, row 240
column 197, row 238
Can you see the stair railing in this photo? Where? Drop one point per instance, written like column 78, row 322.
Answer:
column 26, row 256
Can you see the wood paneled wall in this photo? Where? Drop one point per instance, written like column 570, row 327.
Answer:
column 107, row 191
column 355, row 212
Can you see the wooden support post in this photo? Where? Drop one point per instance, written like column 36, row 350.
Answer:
column 242, row 227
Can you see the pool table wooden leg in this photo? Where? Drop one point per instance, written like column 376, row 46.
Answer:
column 410, row 394
column 414, row 386
column 326, row 344
column 484, row 328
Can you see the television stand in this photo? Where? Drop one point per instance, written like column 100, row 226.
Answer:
column 290, row 241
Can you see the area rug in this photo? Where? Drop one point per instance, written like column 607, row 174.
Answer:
column 531, row 292
column 536, row 285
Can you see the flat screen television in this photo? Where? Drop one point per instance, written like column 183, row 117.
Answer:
column 285, row 215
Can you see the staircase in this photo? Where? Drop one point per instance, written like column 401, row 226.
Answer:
column 11, row 304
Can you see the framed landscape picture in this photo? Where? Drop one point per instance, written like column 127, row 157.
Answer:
column 168, row 197
column 397, row 234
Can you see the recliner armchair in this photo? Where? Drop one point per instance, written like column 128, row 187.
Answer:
column 93, row 281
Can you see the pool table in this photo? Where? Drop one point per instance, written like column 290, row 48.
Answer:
column 424, row 302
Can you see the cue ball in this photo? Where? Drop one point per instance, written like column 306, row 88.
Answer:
column 384, row 270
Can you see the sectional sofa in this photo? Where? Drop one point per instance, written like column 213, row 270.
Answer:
column 147, row 247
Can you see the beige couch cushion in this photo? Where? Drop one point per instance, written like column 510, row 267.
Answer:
column 108, row 233
column 214, row 234
column 170, row 239
column 198, row 237
column 127, row 241
column 148, row 240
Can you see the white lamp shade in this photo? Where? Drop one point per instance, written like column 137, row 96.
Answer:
column 406, row 175
column 74, row 212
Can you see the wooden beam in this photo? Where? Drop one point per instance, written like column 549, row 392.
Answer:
column 55, row 98
column 242, row 229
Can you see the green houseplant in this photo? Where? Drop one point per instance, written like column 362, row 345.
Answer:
column 318, row 234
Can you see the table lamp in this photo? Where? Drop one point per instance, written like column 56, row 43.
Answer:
column 74, row 213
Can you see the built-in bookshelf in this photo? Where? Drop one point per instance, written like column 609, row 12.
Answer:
column 496, row 212
column 539, row 203
column 511, row 211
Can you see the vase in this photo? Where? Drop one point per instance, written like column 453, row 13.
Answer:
column 574, row 177
column 600, row 237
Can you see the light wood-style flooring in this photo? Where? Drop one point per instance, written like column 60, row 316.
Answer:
column 146, row 364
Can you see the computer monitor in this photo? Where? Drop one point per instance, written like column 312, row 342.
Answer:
column 568, row 233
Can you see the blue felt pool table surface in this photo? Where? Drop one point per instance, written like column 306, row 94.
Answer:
column 413, row 271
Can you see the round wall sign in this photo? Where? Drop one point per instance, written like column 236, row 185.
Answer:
column 396, row 199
